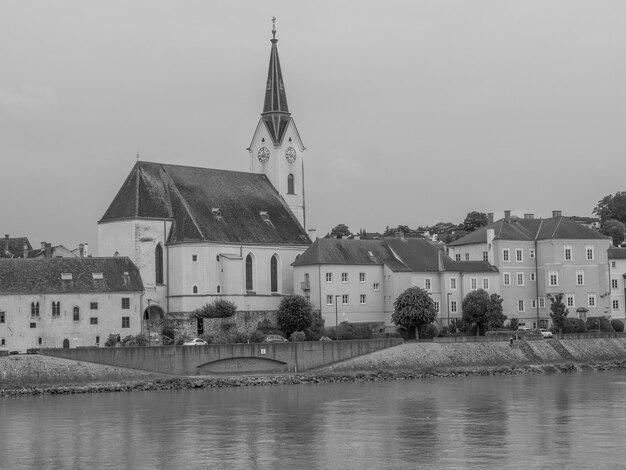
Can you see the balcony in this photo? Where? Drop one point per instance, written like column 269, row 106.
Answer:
column 306, row 285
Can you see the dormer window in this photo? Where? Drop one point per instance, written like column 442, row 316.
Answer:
column 217, row 214
column 66, row 276
column 265, row 217
column 97, row 275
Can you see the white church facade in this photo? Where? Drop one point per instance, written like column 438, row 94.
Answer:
column 198, row 233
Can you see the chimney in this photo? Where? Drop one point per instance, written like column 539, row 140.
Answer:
column 81, row 250
column 489, row 218
column 25, row 250
column 556, row 214
column 48, row 250
column 312, row 234
column 507, row 216
column 529, row 216
column 86, row 249
column 43, row 247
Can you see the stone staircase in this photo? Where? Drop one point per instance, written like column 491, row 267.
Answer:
column 562, row 350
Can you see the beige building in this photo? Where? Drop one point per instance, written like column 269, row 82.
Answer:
column 67, row 302
column 617, row 274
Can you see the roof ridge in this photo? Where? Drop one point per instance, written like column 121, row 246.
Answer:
column 557, row 227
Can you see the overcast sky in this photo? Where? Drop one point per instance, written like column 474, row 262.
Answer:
column 412, row 112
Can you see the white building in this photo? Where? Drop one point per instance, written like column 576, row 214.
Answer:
column 617, row 272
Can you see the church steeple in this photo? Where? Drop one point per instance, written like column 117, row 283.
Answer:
column 275, row 113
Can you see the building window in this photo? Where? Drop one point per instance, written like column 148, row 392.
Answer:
column 194, row 289
column 505, row 255
column 436, row 302
column 486, row 283
column 3, row 342
column 542, row 302
column 376, row 287
column 56, row 309
column 457, row 257
column 93, row 321
column 519, row 255
column 93, row 305
column 453, row 283
column 589, row 252
column 520, row 279
column 344, row 278
column 33, row 325
column 553, row 278
column 125, row 303
column 569, row 300
column 329, row 300
column 613, row 283
column 427, row 284
column 361, row 278
column 466, row 256
column 249, row 279
column 567, row 253
column 520, row 306
column 532, row 277
column 591, row 300
column 158, row 264
column 290, row 185
column 125, row 322
column 474, row 283
column 329, row 277
column 2, row 317
column 194, row 258
column 362, row 299
column 613, row 264
column 76, row 312
column 506, row 279
column 533, row 303
column 580, row 278
column 485, row 256
column 531, row 253
column 218, row 288
column 616, row 305
column 453, row 306
column 274, row 274
column 344, row 299
column 34, row 309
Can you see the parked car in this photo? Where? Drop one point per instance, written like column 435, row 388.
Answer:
column 195, row 342
column 275, row 339
column 545, row 333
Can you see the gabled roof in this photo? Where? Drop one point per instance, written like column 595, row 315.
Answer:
column 420, row 255
column 46, row 275
column 15, row 248
column 531, row 229
column 476, row 267
column 207, row 205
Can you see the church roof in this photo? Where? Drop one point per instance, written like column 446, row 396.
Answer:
column 65, row 275
column 207, row 205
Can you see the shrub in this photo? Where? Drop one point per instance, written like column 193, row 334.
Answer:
column 297, row 336
column 219, row 308
column 406, row 334
column 574, row 325
column 257, row 336
column 227, row 326
column 429, row 331
column 618, row 325
column 139, row 340
column 605, row 324
column 112, row 340
column 513, row 324
column 316, row 330
column 294, row 314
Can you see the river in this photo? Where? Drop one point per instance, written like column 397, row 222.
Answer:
column 529, row 421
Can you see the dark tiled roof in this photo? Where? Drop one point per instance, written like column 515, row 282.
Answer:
column 188, row 196
column 420, row 255
column 16, row 247
column 43, row 275
column 531, row 229
column 617, row 253
column 476, row 267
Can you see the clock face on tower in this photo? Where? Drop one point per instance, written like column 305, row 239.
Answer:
column 263, row 155
column 290, row 155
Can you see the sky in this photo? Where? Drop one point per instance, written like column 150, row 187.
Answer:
column 412, row 112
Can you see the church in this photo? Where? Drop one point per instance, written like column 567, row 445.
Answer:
column 197, row 234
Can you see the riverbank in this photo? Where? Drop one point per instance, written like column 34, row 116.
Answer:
column 42, row 375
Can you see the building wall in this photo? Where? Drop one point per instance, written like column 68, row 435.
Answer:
column 617, row 272
column 21, row 330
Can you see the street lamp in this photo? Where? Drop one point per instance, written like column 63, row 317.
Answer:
column 336, row 314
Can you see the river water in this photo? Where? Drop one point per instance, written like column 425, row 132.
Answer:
column 529, row 421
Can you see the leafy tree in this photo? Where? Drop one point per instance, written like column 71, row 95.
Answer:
column 219, row 308
column 339, row 231
column 295, row 313
column 558, row 312
column 413, row 308
column 390, row 232
column 483, row 311
column 474, row 220
column 615, row 229
column 612, row 207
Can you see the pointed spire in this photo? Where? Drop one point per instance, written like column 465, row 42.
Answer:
column 275, row 110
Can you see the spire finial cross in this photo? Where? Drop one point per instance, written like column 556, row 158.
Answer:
column 273, row 27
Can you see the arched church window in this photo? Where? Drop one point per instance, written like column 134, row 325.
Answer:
column 249, row 279
column 290, row 188
column 158, row 261
column 76, row 312
column 274, row 274
column 195, row 289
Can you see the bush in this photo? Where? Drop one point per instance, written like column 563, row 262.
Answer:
column 294, row 314
column 429, row 331
column 574, row 325
column 227, row 326
column 513, row 324
column 257, row 336
column 316, row 330
column 618, row 325
column 406, row 334
column 139, row 340
column 605, row 324
column 297, row 336
column 219, row 308
column 112, row 340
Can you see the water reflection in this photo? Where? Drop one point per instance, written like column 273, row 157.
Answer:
column 562, row 421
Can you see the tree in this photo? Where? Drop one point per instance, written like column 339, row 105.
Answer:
column 615, row 229
column 474, row 220
column 219, row 308
column 483, row 311
column 391, row 231
column 339, row 231
column 612, row 207
column 413, row 308
column 295, row 313
column 558, row 311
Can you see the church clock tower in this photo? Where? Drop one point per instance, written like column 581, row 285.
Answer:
column 276, row 149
